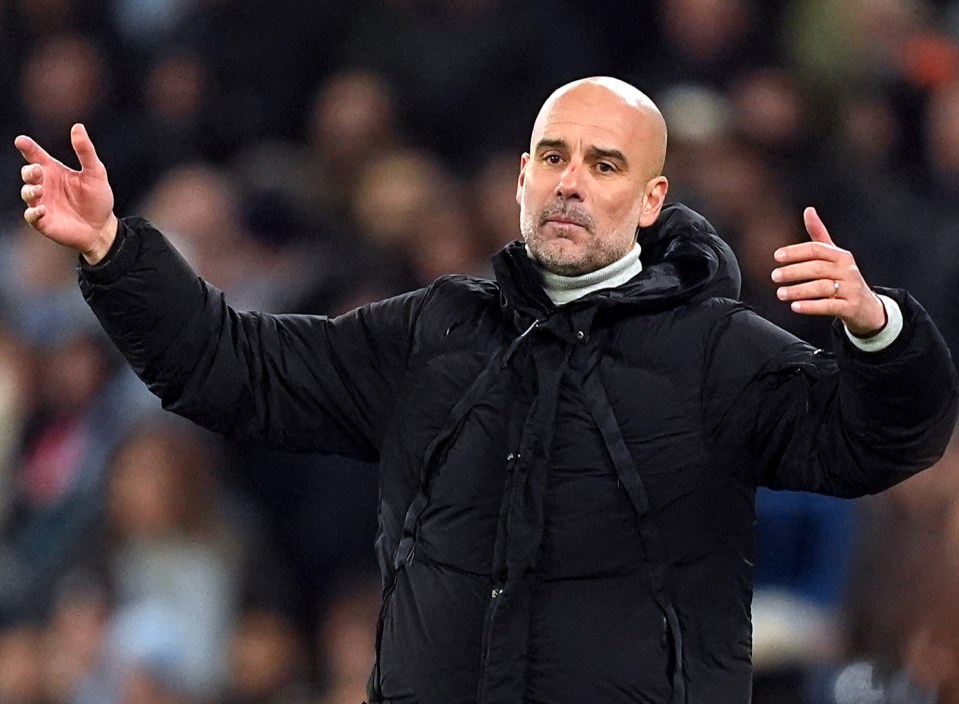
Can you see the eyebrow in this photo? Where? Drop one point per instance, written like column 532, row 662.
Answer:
column 592, row 152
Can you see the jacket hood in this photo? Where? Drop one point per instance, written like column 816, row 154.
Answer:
column 683, row 260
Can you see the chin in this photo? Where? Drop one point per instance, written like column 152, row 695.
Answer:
column 559, row 255
column 564, row 265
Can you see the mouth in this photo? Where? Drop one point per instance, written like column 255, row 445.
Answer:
column 566, row 215
column 565, row 222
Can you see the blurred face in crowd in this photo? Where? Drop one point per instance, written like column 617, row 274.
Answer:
column 63, row 80
column 592, row 175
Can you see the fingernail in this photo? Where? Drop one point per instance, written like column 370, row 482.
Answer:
column 777, row 274
column 781, row 294
column 795, row 306
column 779, row 254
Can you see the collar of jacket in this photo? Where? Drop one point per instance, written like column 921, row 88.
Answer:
column 683, row 260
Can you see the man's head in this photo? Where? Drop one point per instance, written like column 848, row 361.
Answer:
column 593, row 175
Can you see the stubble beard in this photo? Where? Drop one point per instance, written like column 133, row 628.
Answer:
column 601, row 249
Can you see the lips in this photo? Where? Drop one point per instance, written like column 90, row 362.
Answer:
column 566, row 214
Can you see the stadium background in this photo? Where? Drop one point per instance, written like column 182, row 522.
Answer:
column 314, row 156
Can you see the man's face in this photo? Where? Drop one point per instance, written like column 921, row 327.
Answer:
column 589, row 180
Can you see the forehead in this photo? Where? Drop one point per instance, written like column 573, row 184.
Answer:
column 591, row 116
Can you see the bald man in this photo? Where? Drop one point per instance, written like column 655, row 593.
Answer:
column 568, row 453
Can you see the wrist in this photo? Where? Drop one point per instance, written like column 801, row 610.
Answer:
column 889, row 332
column 879, row 320
column 105, row 239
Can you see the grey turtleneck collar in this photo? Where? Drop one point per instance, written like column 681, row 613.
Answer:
column 566, row 289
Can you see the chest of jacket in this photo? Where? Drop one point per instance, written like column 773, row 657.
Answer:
column 473, row 428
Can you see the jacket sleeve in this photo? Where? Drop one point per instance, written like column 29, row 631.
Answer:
column 296, row 382
column 847, row 423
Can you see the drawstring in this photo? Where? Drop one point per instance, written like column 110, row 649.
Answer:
column 516, row 343
column 632, row 482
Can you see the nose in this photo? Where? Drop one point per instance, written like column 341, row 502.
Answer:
column 568, row 187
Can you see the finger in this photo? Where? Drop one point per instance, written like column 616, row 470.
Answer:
column 807, row 271
column 811, row 290
column 30, row 194
column 31, row 151
column 32, row 173
column 83, row 146
column 815, row 227
column 34, row 215
column 808, row 251
column 833, row 307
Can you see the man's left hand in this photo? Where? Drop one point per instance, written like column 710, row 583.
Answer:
column 823, row 279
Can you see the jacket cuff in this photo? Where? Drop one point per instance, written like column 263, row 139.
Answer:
column 118, row 259
column 885, row 337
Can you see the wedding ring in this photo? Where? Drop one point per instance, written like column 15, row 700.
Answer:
column 835, row 289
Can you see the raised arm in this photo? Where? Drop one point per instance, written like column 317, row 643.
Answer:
column 880, row 408
column 295, row 382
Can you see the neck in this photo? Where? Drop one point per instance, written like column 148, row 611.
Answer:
column 566, row 289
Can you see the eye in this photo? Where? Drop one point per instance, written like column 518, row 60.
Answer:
column 553, row 159
column 605, row 167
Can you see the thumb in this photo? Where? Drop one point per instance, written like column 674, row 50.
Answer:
column 815, row 227
column 83, row 147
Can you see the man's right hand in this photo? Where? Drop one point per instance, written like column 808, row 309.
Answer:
column 72, row 208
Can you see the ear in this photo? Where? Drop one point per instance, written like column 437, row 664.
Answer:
column 653, row 198
column 523, row 161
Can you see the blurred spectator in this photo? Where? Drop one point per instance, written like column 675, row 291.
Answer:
column 772, row 113
column 347, row 642
column 471, row 73
column 71, row 403
column 21, row 665
column 38, row 288
column 321, row 508
column 264, row 58
column 178, row 564
column 897, row 620
column 171, row 555
column 352, row 121
column 148, row 23
column 64, row 81
column 66, row 78
column 447, row 241
column 74, row 635
column 397, row 192
column 268, row 661
column 183, row 120
column 16, row 371
column 836, row 42
column 199, row 206
column 708, row 42
column 942, row 132
column 493, row 190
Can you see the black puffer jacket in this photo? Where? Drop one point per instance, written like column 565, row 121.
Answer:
column 566, row 493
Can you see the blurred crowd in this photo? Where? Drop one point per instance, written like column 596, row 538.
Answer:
column 311, row 157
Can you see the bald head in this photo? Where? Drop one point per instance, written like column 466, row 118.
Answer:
column 607, row 98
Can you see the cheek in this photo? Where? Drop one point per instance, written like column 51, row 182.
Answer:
column 627, row 211
column 529, row 207
column 616, row 217
column 527, row 196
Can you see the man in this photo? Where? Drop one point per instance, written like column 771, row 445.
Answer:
column 569, row 454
